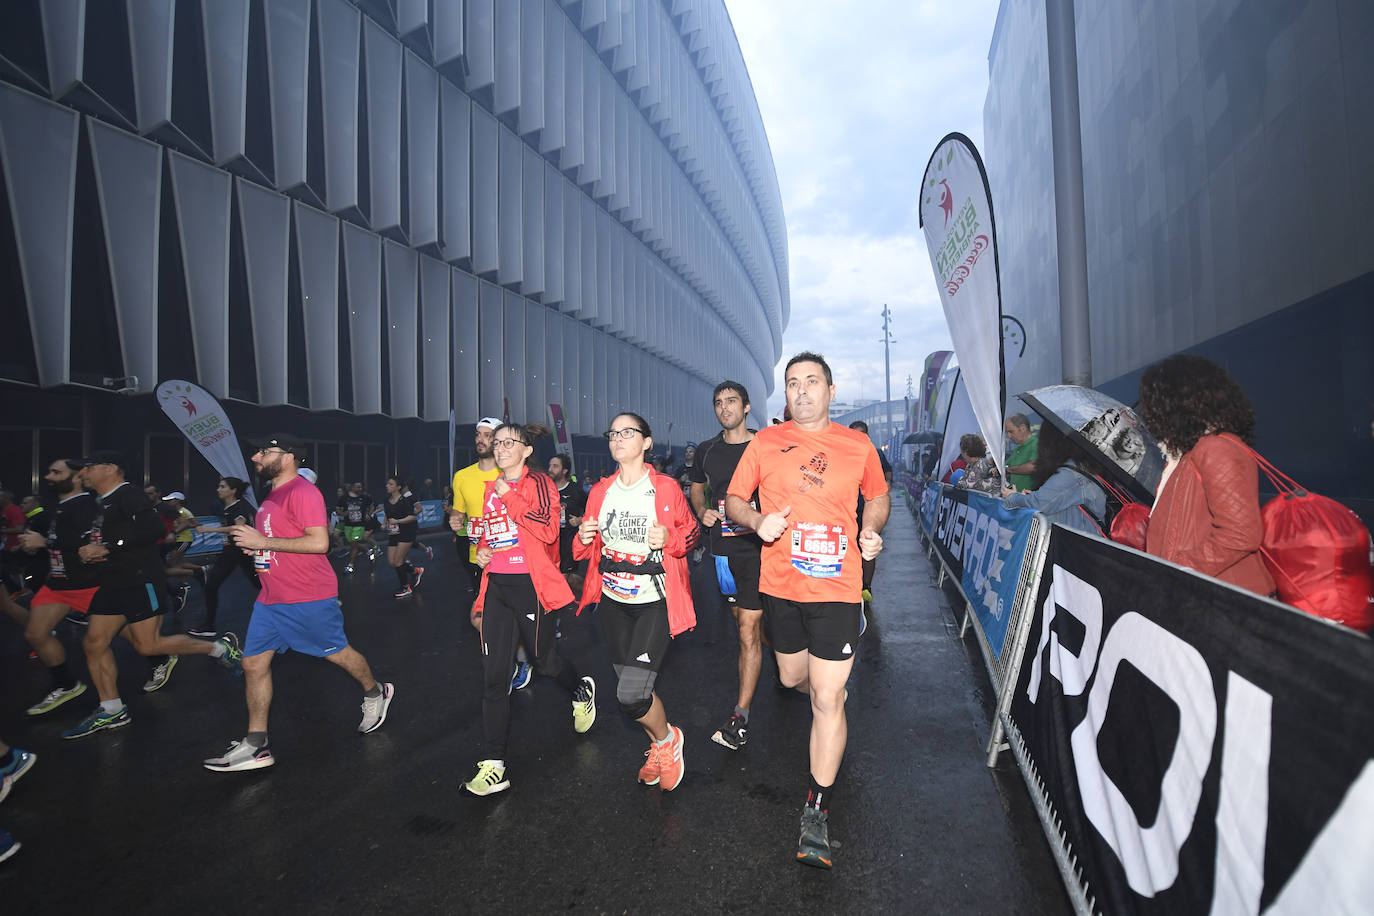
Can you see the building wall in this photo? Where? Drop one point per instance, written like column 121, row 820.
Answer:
column 390, row 208
column 1229, row 208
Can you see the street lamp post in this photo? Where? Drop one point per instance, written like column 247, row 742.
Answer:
column 887, row 367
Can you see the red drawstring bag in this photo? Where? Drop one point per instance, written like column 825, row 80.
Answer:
column 1127, row 519
column 1318, row 552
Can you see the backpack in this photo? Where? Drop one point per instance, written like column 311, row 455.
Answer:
column 1125, row 519
column 1318, row 552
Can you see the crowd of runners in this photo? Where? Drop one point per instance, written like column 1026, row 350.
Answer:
column 792, row 515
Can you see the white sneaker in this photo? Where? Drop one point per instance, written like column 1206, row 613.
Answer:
column 374, row 709
column 161, row 673
column 241, row 756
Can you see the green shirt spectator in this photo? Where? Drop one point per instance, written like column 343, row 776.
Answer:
column 1026, row 447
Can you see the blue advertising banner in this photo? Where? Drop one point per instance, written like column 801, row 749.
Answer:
column 930, row 504
column 983, row 544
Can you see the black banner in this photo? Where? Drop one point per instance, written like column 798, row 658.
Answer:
column 1205, row 750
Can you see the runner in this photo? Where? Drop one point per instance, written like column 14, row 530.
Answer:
column 809, row 473
column 14, row 763
column 354, row 508
column 299, row 605
column 870, row 567
column 71, row 584
column 735, row 547
column 573, row 503
column 402, row 522
column 637, row 532
column 519, row 595
column 130, row 596
column 235, row 511
column 469, row 491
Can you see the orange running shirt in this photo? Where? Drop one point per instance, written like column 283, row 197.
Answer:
column 820, row 475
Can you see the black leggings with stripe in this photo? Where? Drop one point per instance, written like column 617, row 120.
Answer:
column 511, row 614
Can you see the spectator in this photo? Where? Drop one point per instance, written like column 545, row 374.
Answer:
column 966, row 442
column 12, row 563
column 1206, row 512
column 1021, row 459
column 982, row 475
column 1064, row 490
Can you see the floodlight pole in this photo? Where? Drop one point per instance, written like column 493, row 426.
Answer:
column 887, row 366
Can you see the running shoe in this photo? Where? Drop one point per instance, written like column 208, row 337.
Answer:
column 650, row 773
column 180, row 595
column 56, row 697
column 429, row 551
column 8, row 845
column 161, row 673
column 520, row 676
column 732, row 734
column 584, row 706
column 489, row 780
column 202, row 632
column 23, row 762
column 419, row 571
column 374, row 553
column 405, row 592
column 813, row 845
column 241, row 756
column 671, row 767
column 233, row 655
column 349, row 569
column 374, row 709
column 99, row 720
column 200, row 574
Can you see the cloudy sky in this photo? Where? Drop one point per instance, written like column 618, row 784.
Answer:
column 854, row 98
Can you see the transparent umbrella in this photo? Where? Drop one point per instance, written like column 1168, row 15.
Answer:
column 1107, row 428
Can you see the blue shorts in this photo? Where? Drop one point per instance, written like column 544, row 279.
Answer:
column 312, row 627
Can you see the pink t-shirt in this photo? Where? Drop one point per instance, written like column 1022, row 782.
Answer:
column 293, row 578
column 503, row 535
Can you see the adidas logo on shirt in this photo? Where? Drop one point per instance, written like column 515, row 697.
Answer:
column 847, row 650
column 643, row 657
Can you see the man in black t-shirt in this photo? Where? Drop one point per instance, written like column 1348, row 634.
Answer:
column 735, row 547
column 355, row 509
column 130, row 596
column 574, row 504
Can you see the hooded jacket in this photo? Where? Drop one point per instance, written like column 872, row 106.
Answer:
column 674, row 514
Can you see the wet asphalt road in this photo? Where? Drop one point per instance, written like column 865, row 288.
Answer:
column 129, row 822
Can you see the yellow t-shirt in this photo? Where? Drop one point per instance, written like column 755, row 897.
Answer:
column 186, row 535
column 469, row 491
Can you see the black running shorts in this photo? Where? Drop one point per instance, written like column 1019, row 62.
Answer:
column 826, row 629
column 744, row 569
column 636, row 634
column 134, row 604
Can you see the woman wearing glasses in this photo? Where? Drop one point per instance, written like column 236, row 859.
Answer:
column 637, row 531
column 517, row 548
column 402, row 523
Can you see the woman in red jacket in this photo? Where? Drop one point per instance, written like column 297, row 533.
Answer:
column 637, row 531
column 1206, row 514
column 518, row 551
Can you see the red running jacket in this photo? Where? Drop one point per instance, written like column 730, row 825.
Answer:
column 533, row 502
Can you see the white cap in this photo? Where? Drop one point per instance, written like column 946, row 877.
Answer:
column 175, row 494
column 308, row 474
column 488, row 423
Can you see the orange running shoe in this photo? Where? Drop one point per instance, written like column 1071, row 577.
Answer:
column 649, row 773
column 670, row 765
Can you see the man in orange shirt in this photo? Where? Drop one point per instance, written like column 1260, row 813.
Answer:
column 809, row 473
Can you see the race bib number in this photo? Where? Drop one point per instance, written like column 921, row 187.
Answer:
column 818, row 550
column 621, row 585
column 355, row 516
column 392, row 526
column 562, row 516
column 730, row 528
column 56, row 566
column 474, row 529
column 502, row 533
column 262, row 560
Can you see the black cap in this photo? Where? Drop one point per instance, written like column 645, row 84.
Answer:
column 284, row 441
column 104, row 456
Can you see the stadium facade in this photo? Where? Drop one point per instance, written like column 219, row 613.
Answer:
column 1229, row 208
column 348, row 219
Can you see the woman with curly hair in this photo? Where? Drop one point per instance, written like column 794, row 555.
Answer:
column 1206, row 513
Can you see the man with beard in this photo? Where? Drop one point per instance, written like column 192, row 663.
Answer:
column 298, row 607
column 469, row 489
column 574, row 503
column 734, row 546
column 809, row 473
column 71, row 584
column 130, row 595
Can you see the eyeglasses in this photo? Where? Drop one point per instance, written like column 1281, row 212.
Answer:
column 624, row 433
column 507, row 443
column 269, row 451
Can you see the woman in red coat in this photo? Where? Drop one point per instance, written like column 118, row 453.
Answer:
column 637, row 531
column 1206, row 514
column 517, row 549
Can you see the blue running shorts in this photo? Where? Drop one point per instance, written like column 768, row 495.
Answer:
column 311, row 627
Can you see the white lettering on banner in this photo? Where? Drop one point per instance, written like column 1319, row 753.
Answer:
column 1149, row 855
column 1241, row 811
column 977, row 541
column 1084, row 603
column 1327, row 880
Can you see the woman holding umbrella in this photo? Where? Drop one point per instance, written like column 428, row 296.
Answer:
column 1065, row 491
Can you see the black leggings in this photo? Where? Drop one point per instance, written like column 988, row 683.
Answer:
column 509, row 600
column 225, row 564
